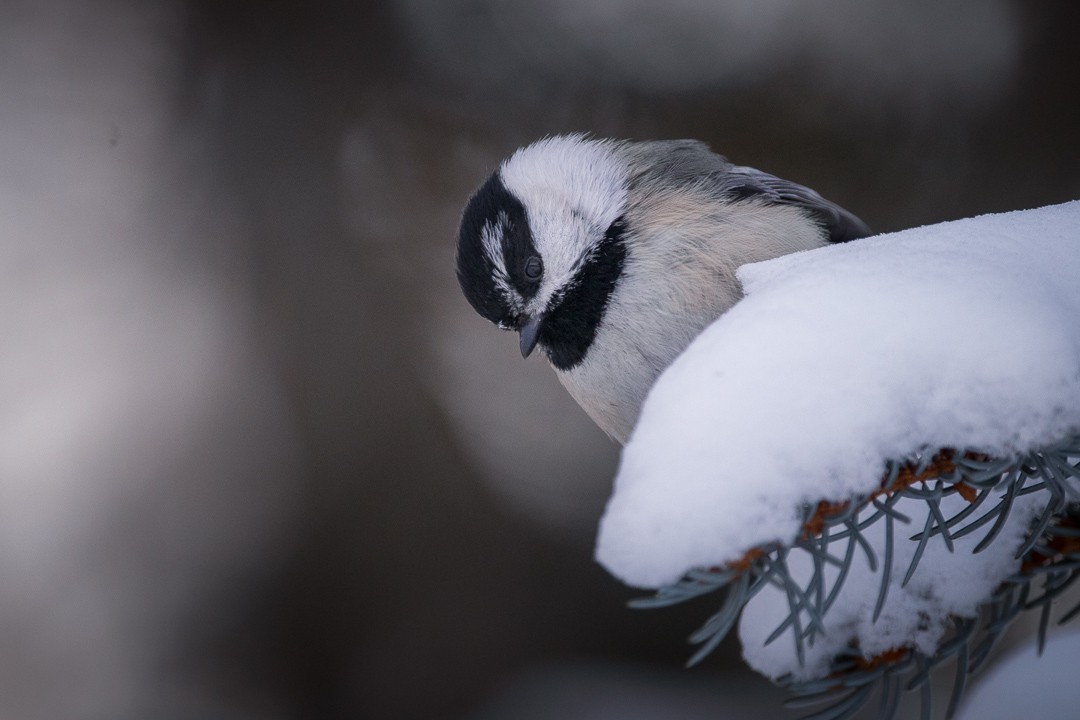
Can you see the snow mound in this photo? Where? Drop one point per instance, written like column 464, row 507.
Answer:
column 961, row 335
column 964, row 334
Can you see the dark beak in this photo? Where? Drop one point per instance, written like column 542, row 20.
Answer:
column 530, row 334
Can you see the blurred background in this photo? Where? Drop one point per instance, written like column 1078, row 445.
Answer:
column 259, row 459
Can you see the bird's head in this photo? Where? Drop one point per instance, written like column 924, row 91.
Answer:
column 541, row 244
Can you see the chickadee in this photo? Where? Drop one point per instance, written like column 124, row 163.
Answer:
column 611, row 256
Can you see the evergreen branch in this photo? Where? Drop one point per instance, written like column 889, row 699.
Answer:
column 1049, row 557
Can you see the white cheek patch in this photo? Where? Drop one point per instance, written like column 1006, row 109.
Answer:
column 572, row 188
column 491, row 241
column 566, row 246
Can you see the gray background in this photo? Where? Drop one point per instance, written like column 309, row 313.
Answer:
column 258, row 458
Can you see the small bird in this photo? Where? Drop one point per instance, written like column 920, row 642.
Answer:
column 611, row 256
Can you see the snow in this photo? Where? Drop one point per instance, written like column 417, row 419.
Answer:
column 964, row 334
column 1025, row 685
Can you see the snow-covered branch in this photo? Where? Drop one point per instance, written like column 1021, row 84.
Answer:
column 879, row 439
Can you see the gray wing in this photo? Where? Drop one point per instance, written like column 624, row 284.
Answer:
column 746, row 182
column 690, row 162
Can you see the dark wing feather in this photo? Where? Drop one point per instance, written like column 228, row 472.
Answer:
column 747, row 183
column 690, row 162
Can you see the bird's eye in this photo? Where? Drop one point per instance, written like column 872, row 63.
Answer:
column 534, row 268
